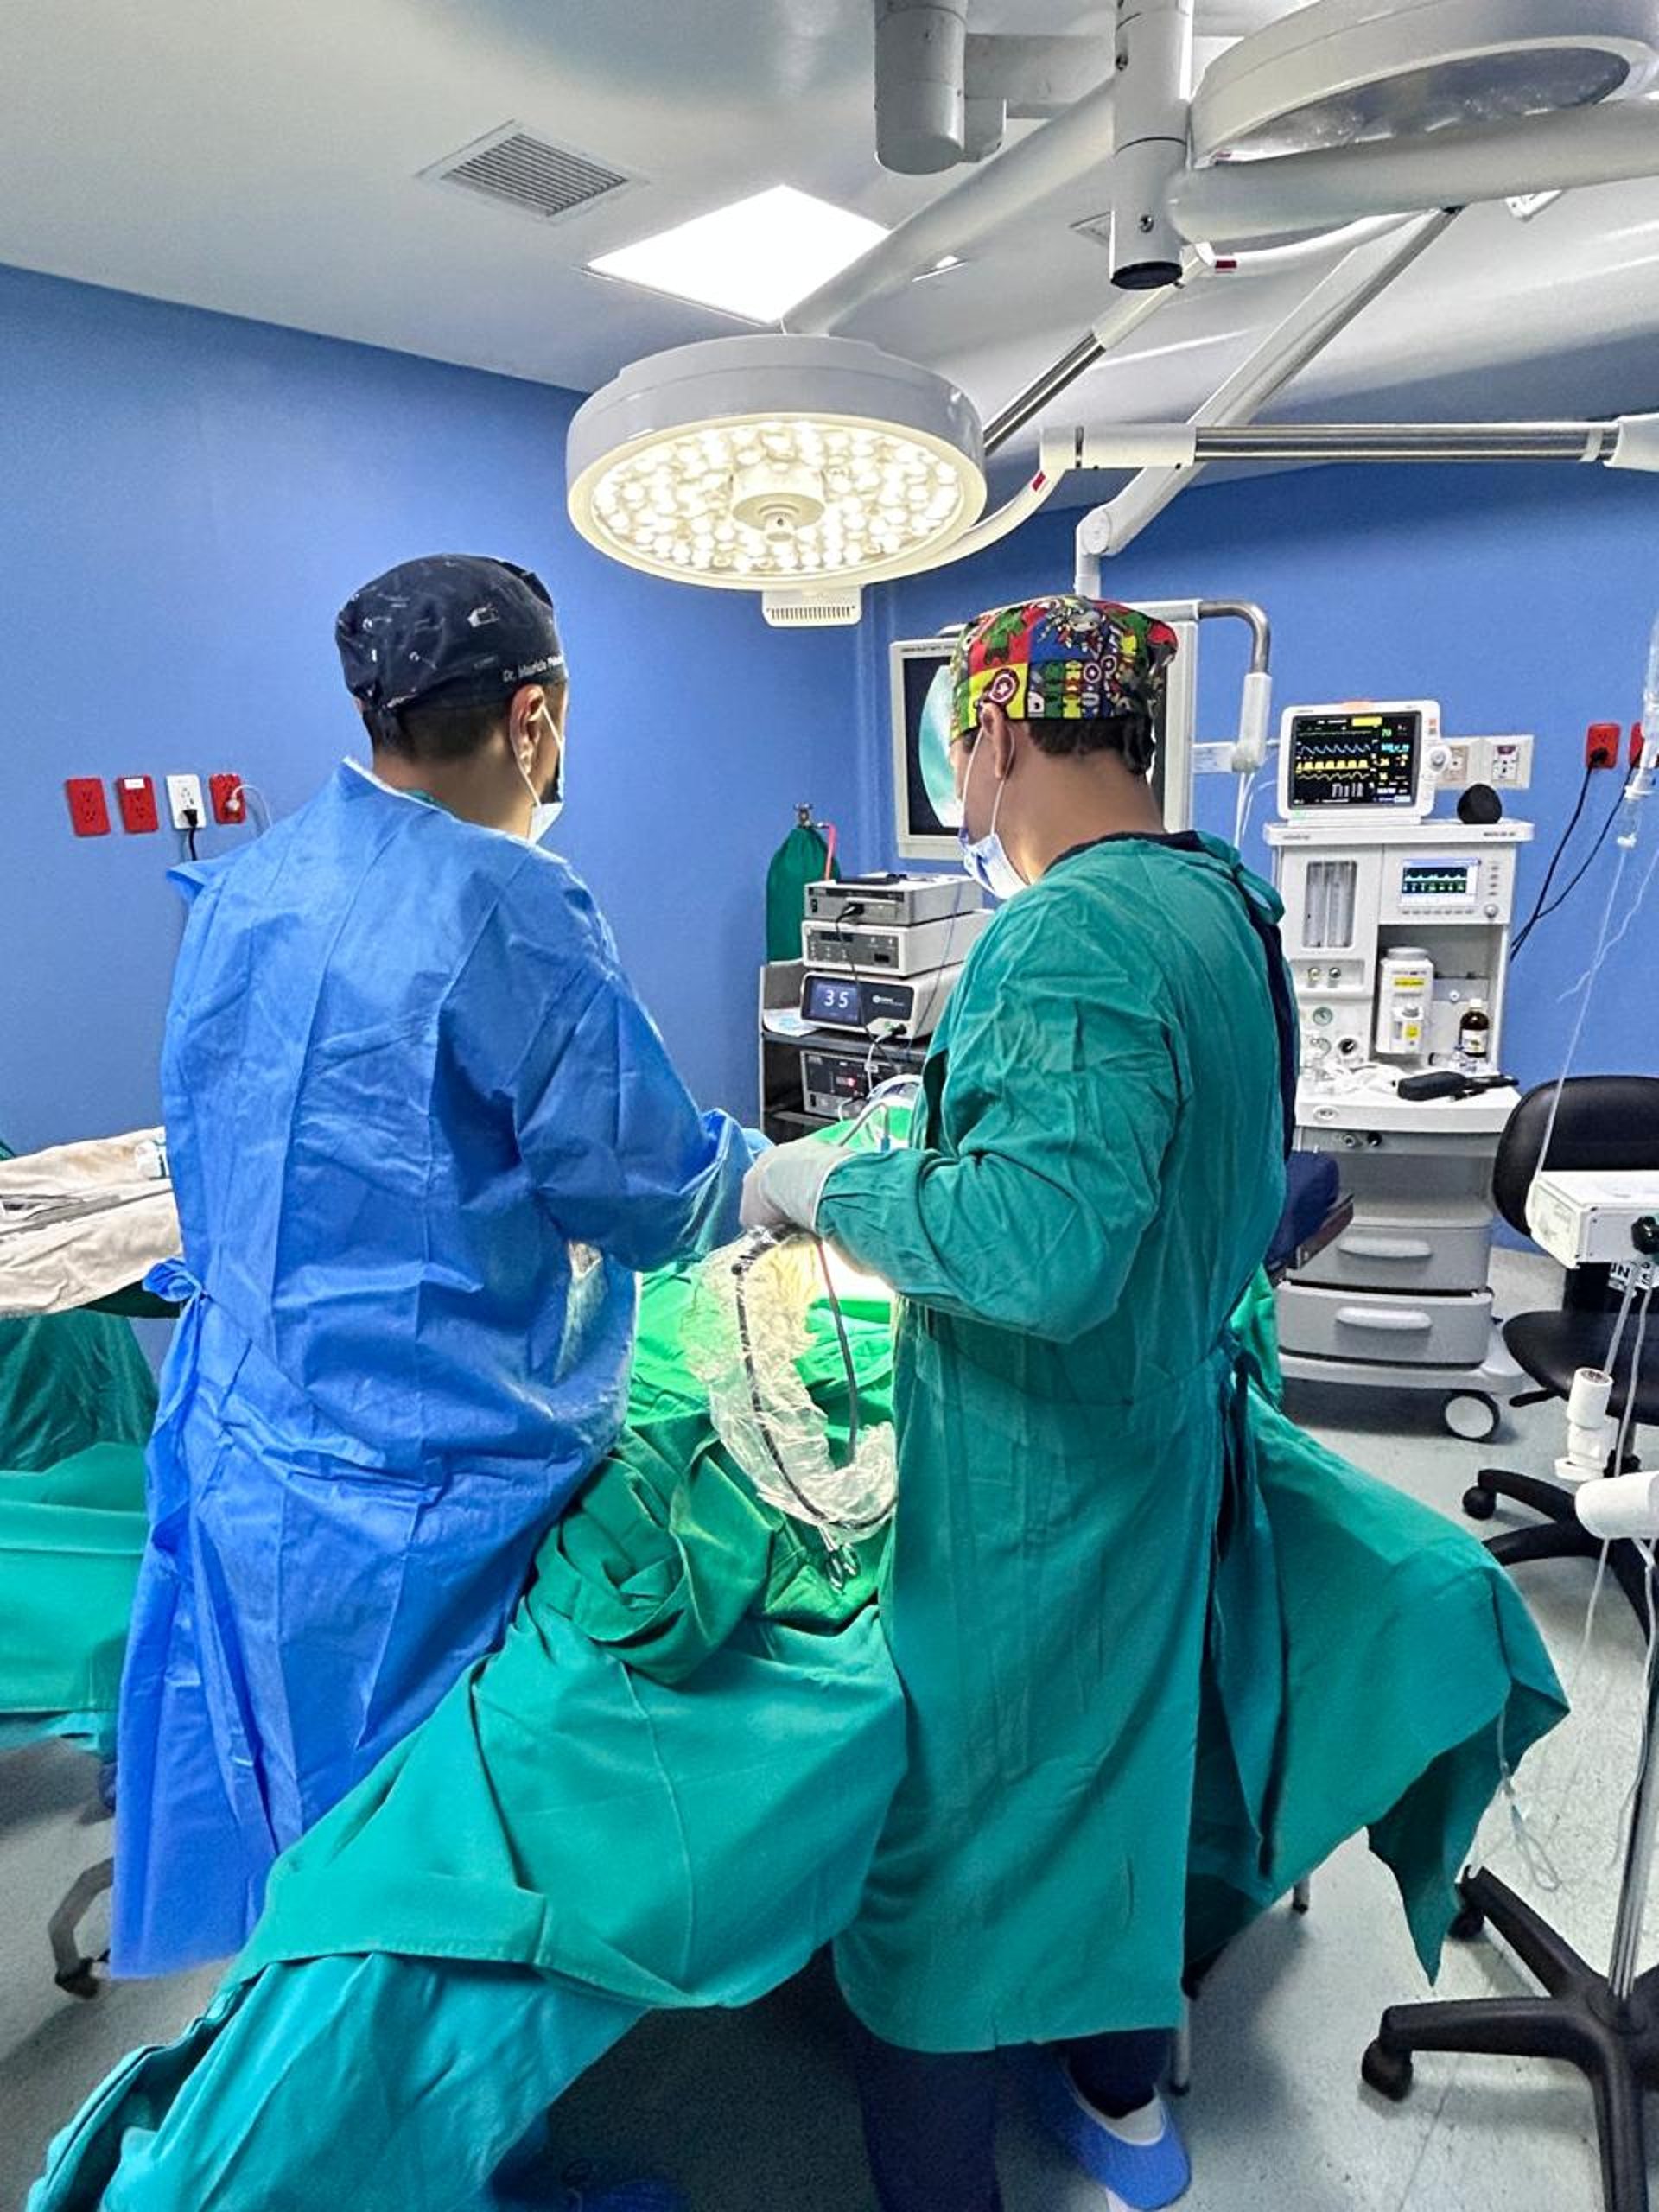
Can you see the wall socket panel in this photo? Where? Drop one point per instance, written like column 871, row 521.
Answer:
column 1505, row 763
column 184, row 802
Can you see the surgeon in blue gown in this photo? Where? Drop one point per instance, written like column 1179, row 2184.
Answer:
column 423, row 1135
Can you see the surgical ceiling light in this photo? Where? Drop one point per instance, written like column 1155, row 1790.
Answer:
column 806, row 461
column 1356, row 73
column 755, row 258
column 755, row 462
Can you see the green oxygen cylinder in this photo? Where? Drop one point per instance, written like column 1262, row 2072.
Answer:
column 806, row 856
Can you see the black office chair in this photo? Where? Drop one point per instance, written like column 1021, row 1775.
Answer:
column 1609, row 1122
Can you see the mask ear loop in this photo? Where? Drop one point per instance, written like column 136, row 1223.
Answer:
column 997, row 811
column 535, row 798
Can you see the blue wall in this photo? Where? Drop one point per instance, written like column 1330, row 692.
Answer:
column 1520, row 597
column 187, row 499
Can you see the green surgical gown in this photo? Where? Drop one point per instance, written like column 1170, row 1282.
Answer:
column 1100, row 1171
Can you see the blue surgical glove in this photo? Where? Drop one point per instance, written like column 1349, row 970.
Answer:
column 757, row 1143
column 783, row 1188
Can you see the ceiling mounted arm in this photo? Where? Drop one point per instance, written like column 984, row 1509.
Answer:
column 1237, row 202
column 1125, row 315
column 1048, row 159
column 943, row 94
column 1309, row 327
column 1154, row 83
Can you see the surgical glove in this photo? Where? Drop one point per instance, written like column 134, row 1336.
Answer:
column 756, row 1143
column 783, row 1188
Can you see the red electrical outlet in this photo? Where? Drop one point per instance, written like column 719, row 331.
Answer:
column 225, row 795
column 136, row 796
column 1601, row 744
column 89, row 810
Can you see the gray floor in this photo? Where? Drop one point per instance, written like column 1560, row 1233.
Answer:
column 753, row 2113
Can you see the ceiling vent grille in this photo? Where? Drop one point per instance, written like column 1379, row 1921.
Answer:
column 517, row 169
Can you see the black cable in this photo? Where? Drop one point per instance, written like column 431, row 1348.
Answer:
column 846, row 1349
column 1566, row 891
column 1562, row 843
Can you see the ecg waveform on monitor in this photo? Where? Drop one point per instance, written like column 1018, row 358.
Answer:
column 1366, row 763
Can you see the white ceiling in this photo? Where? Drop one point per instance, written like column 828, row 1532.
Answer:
column 264, row 160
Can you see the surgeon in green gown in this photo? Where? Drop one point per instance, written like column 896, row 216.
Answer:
column 1099, row 1171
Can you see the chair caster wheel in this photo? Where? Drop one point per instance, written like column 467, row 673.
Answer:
column 1470, row 1415
column 1387, row 2072
column 1479, row 1504
column 1469, row 1926
column 80, row 1980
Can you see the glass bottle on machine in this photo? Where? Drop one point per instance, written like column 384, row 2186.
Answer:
column 1475, row 1033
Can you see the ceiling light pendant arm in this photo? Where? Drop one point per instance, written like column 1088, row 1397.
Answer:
column 1234, row 202
column 1623, row 441
column 1154, row 62
column 1047, row 160
column 1417, row 441
column 1628, row 441
column 944, row 93
column 1127, row 312
column 921, row 49
column 1343, row 293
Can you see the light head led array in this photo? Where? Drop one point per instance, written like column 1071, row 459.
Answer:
column 746, row 462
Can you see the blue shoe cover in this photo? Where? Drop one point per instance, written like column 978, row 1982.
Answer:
column 1141, row 2159
column 528, row 2183
column 628, row 2197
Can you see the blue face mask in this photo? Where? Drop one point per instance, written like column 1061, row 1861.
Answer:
column 984, row 857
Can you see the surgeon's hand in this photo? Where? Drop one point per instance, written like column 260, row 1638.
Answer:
column 782, row 1190
column 756, row 1142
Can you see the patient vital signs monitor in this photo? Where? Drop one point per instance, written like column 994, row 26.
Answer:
column 1366, row 763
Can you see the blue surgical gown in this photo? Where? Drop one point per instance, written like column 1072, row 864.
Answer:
column 422, row 1133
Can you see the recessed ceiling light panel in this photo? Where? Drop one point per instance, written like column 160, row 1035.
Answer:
column 755, row 258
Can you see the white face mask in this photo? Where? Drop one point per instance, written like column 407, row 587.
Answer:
column 985, row 858
column 543, row 812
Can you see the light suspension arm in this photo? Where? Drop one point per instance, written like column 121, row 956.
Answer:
column 1234, row 202
column 1184, row 445
column 1125, row 315
column 1343, row 293
column 1047, row 160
